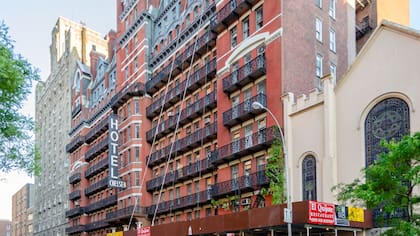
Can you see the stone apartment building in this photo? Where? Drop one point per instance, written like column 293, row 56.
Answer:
column 71, row 42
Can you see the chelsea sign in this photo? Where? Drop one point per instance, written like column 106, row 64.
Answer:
column 113, row 180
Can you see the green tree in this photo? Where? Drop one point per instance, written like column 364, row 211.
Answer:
column 389, row 186
column 17, row 150
column 275, row 172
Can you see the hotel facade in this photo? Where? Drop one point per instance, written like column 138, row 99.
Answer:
column 163, row 131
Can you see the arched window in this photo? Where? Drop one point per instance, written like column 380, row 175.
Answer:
column 389, row 119
column 309, row 178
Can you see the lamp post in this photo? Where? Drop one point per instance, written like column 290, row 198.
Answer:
column 288, row 211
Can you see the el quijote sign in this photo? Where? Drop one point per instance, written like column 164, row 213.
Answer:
column 321, row 213
column 113, row 180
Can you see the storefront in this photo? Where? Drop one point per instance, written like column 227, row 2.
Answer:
column 309, row 218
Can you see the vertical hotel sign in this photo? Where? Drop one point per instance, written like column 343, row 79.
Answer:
column 113, row 180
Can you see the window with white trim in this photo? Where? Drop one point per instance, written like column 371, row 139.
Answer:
column 318, row 3
column 259, row 18
column 233, row 37
column 318, row 29
column 332, row 9
column 318, row 65
column 332, row 40
column 245, row 28
column 333, row 70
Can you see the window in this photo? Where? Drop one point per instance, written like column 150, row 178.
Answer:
column 333, row 70
column 233, row 37
column 245, row 28
column 136, row 64
column 318, row 65
column 389, row 119
column 332, row 9
column 318, row 3
column 137, row 154
column 332, row 40
column 126, row 73
column 137, row 131
column 309, row 178
column 137, row 178
column 318, row 29
column 259, row 18
column 136, row 107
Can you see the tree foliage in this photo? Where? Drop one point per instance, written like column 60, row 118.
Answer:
column 17, row 150
column 275, row 172
column 390, row 186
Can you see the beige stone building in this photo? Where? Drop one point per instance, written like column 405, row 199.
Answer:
column 71, row 42
column 22, row 211
column 332, row 134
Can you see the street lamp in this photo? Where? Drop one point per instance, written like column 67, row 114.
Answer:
column 287, row 211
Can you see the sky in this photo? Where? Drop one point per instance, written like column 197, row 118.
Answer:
column 30, row 24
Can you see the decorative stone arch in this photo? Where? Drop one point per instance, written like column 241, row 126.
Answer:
column 386, row 117
column 77, row 165
column 246, row 46
column 309, row 171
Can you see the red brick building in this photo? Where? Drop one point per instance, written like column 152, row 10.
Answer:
column 181, row 81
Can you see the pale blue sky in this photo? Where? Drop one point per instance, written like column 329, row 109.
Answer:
column 30, row 23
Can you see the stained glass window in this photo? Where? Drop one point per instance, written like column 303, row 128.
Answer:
column 389, row 119
column 309, row 178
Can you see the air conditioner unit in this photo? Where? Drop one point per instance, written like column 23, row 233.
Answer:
column 245, row 201
column 170, row 114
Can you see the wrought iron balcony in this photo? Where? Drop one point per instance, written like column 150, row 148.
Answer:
column 76, row 110
column 96, row 149
column 97, row 131
column 75, row 143
column 158, row 80
column 204, row 74
column 185, row 35
column 240, row 185
column 76, row 194
column 75, row 229
column 172, row 96
column 125, row 213
column 243, row 111
column 101, row 204
column 180, row 146
column 231, row 12
column 134, row 89
column 363, row 28
column 96, row 187
column 187, row 172
column 95, row 226
column 204, row 44
column 245, row 74
column 247, row 145
column 77, row 211
column 181, row 203
column 75, row 178
column 163, row 128
column 98, row 167
column 198, row 108
column 197, row 79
